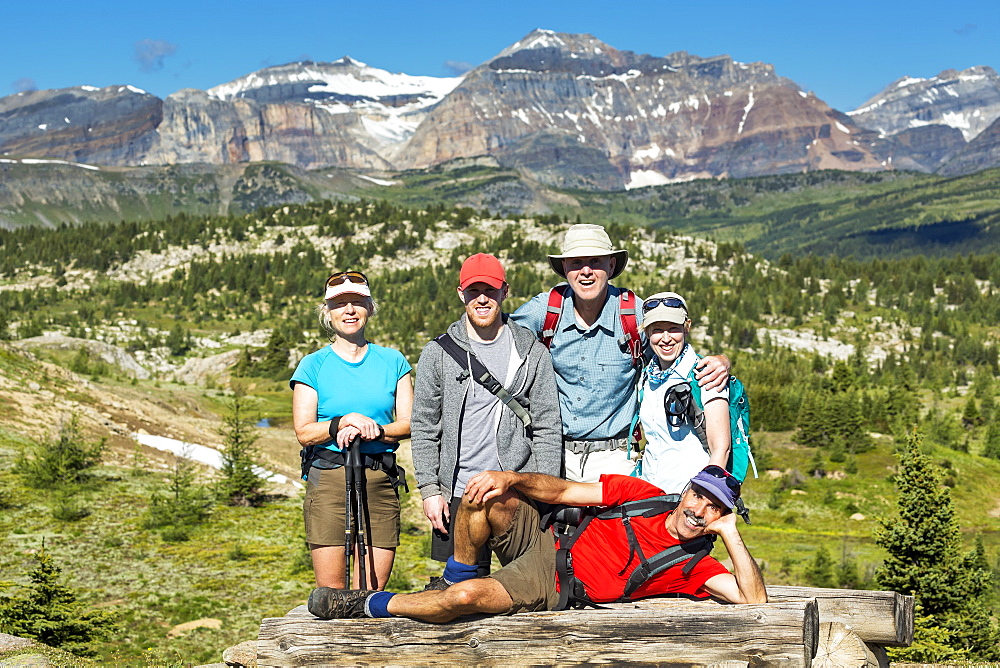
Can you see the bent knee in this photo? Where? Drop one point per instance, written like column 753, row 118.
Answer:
column 463, row 594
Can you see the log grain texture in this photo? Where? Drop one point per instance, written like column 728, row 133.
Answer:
column 652, row 632
column 877, row 617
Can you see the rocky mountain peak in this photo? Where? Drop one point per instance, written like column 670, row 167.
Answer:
column 968, row 100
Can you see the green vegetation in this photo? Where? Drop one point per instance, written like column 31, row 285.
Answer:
column 240, row 485
column 65, row 461
column 842, row 359
column 49, row 612
column 925, row 559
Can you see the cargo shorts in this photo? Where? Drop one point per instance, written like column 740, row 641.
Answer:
column 325, row 513
column 527, row 555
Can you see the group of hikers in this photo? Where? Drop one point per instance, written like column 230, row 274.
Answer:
column 515, row 420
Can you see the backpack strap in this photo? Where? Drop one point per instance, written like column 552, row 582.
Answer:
column 572, row 593
column 553, row 312
column 479, row 373
column 691, row 551
column 630, row 326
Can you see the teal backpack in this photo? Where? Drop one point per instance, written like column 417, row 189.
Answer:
column 740, row 456
column 683, row 402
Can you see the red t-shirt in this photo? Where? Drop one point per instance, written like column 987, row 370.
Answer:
column 602, row 551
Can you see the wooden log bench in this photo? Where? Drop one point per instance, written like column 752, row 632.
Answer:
column 798, row 627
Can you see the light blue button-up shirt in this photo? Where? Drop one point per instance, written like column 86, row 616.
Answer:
column 594, row 374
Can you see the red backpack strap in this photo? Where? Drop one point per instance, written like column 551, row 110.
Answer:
column 557, row 296
column 630, row 325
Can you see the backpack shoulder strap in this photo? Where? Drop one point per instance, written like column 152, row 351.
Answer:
column 691, row 551
column 468, row 360
column 628, row 312
column 553, row 311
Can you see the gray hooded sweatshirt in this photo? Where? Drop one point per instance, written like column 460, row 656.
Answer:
column 439, row 402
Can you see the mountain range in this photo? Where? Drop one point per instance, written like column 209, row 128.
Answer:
column 564, row 109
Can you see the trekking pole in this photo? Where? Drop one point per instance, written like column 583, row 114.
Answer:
column 354, row 534
column 348, row 506
column 361, row 520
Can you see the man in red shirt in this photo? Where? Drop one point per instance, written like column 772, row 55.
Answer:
column 498, row 508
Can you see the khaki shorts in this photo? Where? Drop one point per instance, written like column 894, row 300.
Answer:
column 528, row 557
column 324, row 512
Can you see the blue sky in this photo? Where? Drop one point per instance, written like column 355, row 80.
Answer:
column 843, row 51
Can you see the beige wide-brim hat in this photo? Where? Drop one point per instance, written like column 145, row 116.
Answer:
column 588, row 241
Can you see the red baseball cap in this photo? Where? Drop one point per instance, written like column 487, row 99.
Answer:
column 482, row 268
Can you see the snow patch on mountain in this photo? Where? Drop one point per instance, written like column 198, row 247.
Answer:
column 345, row 77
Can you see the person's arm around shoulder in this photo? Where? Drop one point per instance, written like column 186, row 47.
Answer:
column 531, row 314
column 745, row 584
column 712, row 371
column 545, row 488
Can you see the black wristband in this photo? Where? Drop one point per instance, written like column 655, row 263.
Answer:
column 381, row 433
column 335, row 426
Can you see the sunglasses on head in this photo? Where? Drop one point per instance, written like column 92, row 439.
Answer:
column 722, row 474
column 670, row 302
column 346, row 277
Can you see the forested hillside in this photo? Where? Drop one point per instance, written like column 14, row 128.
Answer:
column 842, row 357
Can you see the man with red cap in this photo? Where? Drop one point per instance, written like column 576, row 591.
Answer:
column 608, row 557
column 461, row 425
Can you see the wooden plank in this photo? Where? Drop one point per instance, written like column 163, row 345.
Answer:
column 663, row 632
column 878, row 617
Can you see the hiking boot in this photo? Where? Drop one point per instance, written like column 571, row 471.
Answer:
column 330, row 603
column 437, row 583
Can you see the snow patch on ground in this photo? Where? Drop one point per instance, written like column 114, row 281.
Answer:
column 205, row 455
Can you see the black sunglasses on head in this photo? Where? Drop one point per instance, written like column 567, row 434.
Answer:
column 722, row 474
column 670, row 302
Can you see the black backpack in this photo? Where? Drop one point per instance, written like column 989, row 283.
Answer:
column 572, row 593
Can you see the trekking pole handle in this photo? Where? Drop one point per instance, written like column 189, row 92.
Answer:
column 352, row 455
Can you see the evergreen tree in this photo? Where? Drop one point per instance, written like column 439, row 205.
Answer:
column 925, row 559
column 274, row 362
column 240, row 484
column 49, row 613
column 970, row 415
column 847, row 575
column 819, row 572
column 181, row 506
column 65, row 460
column 814, row 428
column 991, row 442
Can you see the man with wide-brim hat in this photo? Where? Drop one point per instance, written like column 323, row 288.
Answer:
column 592, row 331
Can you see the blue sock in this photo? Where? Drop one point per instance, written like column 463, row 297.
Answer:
column 377, row 605
column 456, row 571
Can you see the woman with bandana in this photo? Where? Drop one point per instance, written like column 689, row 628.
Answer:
column 674, row 450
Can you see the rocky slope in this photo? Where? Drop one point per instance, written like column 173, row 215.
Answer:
column 566, row 109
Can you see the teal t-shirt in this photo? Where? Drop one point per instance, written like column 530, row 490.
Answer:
column 367, row 387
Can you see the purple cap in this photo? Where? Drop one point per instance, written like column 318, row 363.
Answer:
column 721, row 486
